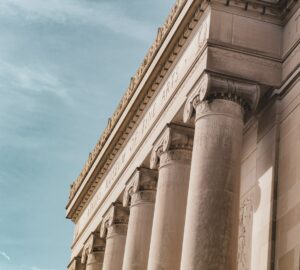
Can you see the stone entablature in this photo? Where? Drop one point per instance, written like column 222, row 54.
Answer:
column 211, row 70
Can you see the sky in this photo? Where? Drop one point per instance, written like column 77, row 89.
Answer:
column 64, row 66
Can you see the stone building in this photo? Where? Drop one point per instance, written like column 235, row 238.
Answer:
column 198, row 168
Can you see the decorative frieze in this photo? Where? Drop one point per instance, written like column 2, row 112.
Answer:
column 141, row 187
column 173, row 138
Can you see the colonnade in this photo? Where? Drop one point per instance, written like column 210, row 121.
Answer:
column 182, row 212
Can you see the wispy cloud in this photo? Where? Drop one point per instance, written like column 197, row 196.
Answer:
column 106, row 14
column 38, row 268
column 30, row 78
column 4, row 255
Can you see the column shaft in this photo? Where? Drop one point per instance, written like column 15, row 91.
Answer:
column 139, row 233
column 211, row 227
column 115, row 246
column 171, row 197
column 93, row 252
column 95, row 261
column 114, row 227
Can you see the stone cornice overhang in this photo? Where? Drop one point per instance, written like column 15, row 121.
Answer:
column 280, row 9
column 165, row 55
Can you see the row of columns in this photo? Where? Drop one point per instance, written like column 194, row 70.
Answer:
column 182, row 213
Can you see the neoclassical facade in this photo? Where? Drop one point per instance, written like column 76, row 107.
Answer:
column 198, row 168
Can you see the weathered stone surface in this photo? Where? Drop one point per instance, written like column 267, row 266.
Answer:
column 140, row 195
column 211, row 226
column 114, row 228
column 172, row 154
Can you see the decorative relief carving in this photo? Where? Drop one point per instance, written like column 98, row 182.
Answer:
column 93, row 244
column 246, row 217
column 212, row 87
column 143, row 197
column 115, row 219
column 142, row 180
column 174, row 137
column 177, row 154
column 197, row 95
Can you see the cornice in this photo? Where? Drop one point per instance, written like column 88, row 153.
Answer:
column 281, row 9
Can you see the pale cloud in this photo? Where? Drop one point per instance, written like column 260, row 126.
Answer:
column 4, row 255
column 38, row 268
column 107, row 14
column 31, row 78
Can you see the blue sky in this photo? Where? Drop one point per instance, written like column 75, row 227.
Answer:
column 64, row 65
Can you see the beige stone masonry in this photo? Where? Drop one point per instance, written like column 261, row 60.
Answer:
column 93, row 252
column 114, row 228
column 211, row 226
column 140, row 196
column 76, row 264
column 172, row 154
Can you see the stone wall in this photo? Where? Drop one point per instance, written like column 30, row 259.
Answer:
column 288, row 214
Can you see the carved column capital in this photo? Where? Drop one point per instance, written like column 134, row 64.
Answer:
column 141, row 187
column 114, row 221
column 176, row 141
column 211, row 86
column 93, row 244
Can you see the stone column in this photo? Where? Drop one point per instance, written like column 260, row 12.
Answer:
column 211, row 226
column 93, row 252
column 172, row 154
column 76, row 264
column 114, row 228
column 140, row 195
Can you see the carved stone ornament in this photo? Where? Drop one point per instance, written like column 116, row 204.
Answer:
column 115, row 215
column 93, row 244
column 245, row 222
column 173, row 137
column 211, row 86
column 143, row 179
